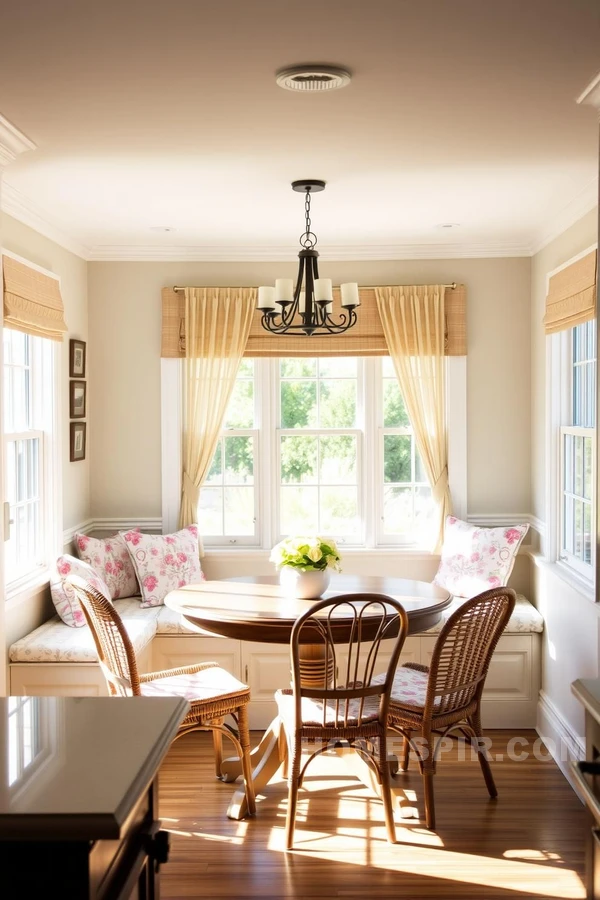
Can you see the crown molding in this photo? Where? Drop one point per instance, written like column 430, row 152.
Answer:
column 15, row 204
column 380, row 253
column 12, row 142
column 583, row 203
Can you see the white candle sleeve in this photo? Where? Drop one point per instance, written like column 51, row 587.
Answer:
column 302, row 302
column 323, row 290
column 266, row 298
column 284, row 290
column 350, row 294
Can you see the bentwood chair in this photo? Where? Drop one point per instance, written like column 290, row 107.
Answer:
column 212, row 692
column 446, row 696
column 349, row 707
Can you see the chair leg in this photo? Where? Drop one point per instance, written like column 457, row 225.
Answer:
column 405, row 750
column 244, row 736
column 428, row 771
column 386, row 790
column 475, row 723
column 293, row 787
column 218, row 749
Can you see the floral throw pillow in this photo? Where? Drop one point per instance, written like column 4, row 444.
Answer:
column 164, row 562
column 110, row 558
column 63, row 595
column 475, row 559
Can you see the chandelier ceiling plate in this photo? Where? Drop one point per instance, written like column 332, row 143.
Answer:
column 308, row 184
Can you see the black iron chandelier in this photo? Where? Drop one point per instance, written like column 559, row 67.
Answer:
column 307, row 307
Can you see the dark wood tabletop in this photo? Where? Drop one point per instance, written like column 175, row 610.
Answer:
column 254, row 608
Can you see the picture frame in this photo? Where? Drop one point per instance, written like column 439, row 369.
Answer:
column 77, row 356
column 77, row 399
column 77, row 441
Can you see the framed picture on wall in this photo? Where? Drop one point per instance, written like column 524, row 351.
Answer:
column 77, row 442
column 76, row 359
column 77, row 399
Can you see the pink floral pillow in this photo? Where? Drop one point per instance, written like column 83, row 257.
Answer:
column 164, row 562
column 63, row 595
column 475, row 559
column 110, row 558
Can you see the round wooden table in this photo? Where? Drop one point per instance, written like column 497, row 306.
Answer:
column 254, row 608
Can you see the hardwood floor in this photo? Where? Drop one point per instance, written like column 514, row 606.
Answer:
column 529, row 843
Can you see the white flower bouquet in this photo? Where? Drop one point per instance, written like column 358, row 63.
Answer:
column 308, row 554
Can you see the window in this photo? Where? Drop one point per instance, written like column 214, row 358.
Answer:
column 28, row 453
column 337, row 455
column 577, row 440
column 228, row 501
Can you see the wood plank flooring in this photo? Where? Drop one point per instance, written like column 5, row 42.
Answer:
column 529, row 843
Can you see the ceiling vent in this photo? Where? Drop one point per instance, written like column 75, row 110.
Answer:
column 313, row 78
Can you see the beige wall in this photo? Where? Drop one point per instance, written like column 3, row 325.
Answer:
column 73, row 284
column 571, row 631
column 125, row 321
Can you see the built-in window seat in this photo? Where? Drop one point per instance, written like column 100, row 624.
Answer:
column 57, row 660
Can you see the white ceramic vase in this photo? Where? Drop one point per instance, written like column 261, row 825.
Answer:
column 303, row 585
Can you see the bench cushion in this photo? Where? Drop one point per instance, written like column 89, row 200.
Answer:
column 56, row 642
column 525, row 618
column 171, row 622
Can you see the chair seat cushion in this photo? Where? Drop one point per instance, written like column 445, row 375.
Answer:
column 312, row 710
column 214, row 683
column 409, row 688
column 56, row 642
column 525, row 617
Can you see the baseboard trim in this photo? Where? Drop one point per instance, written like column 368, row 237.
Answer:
column 563, row 743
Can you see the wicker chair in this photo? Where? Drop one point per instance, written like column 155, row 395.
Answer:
column 446, row 696
column 213, row 693
column 350, row 708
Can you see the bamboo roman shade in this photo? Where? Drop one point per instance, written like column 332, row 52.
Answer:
column 32, row 301
column 571, row 296
column 366, row 338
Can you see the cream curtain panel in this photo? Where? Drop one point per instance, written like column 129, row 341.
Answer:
column 413, row 323
column 366, row 338
column 217, row 322
column 571, row 296
column 32, row 301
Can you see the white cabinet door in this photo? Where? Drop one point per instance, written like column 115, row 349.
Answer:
column 266, row 668
column 174, row 650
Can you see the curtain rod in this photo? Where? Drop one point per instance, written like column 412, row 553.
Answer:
column 451, row 287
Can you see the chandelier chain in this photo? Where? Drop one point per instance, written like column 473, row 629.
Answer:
column 307, row 240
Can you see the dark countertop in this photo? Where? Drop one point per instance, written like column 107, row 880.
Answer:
column 587, row 691
column 73, row 768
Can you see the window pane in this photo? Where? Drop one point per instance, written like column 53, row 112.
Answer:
column 210, row 511
column 338, row 367
column 397, row 457
column 239, row 510
column 387, row 367
column 215, row 473
column 587, row 534
column 339, row 510
column 338, row 459
column 298, row 404
column 397, row 510
column 240, row 411
column 299, row 459
column 239, row 460
column 578, row 489
column 588, row 468
column 298, row 368
column 394, row 411
column 299, row 510
column 337, row 404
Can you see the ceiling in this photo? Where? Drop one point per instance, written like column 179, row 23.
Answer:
column 148, row 114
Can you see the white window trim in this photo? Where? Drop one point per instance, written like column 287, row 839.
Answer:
column 171, row 431
column 20, row 589
column 557, row 406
